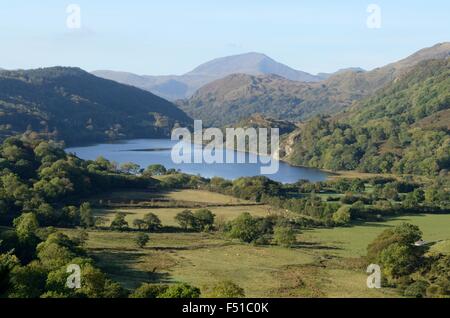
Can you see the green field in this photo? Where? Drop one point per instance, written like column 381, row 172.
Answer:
column 194, row 196
column 326, row 262
column 352, row 241
column 167, row 215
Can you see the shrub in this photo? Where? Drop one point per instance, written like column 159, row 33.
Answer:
column 119, row 223
column 203, row 220
column 149, row 291
column 247, row 229
column 284, row 236
column 416, row 290
column 181, row 291
column 152, row 222
column 141, row 240
column 343, row 215
column 185, row 219
column 227, row 289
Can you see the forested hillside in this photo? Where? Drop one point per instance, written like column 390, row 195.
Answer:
column 75, row 106
column 403, row 128
column 236, row 97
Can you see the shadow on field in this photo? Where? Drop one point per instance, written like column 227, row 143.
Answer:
column 189, row 247
column 315, row 246
column 124, row 267
column 383, row 222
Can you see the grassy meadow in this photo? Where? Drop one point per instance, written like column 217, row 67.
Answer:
column 352, row 241
column 325, row 263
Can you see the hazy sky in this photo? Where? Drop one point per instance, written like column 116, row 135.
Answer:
column 174, row 36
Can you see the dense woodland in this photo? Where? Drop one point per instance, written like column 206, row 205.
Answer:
column 72, row 105
column 41, row 189
column 402, row 129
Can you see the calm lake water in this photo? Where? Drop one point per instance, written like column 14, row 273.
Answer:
column 145, row 152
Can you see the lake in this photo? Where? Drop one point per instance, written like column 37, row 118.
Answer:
column 145, row 152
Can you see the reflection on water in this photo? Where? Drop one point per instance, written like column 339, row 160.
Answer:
column 146, row 152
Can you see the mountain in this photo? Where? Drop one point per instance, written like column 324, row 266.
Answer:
column 365, row 83
column 251, row 64
column 236, row 97
column 175, row 87
column 324, row 76
column 403, row 128
column 78, row 107
column 414, row 96
column 258, row 121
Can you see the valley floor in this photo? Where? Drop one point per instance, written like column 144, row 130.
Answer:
column 325, row 263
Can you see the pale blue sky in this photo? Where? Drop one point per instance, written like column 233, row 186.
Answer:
column 174, row 36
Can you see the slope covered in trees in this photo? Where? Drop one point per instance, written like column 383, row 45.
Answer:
column 403, row 128
column 76, row 106
column 231, row 99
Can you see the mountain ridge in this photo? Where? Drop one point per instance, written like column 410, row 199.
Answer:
column 231, row 99
column 403, row 128
column 78, row 107
column 175, row 87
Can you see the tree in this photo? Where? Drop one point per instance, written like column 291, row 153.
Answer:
column 417, row 289
column 203, row 220
column 58, row 250
column 343, row 215
column 13, row 188
column 28, row 281
column 398, row 260
column 130, row 168
column 152, row 222
column 141, row 240
column 245, row 228
column 54, row 188
column 413, row 199
column 404, row 234
column 7, row 264
column 184, row 291
column 26, row 226
column 186, row 219
column 437, row 273
column 81, row 237
column 86, row 216
column 227, row 289
column 95, row 284
column 139, row 224
column 155, row 170
column 45, row 213
column 149, row 291
column 100, row 221
column 394, row 250
column 119, row 223
column 284, row 236
column 358, row 185
column 70, row 215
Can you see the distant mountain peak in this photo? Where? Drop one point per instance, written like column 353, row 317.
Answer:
column 179, row 87
column 251, row 63
column 235, row 97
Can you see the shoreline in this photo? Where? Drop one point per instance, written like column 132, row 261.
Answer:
column 330, row 175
